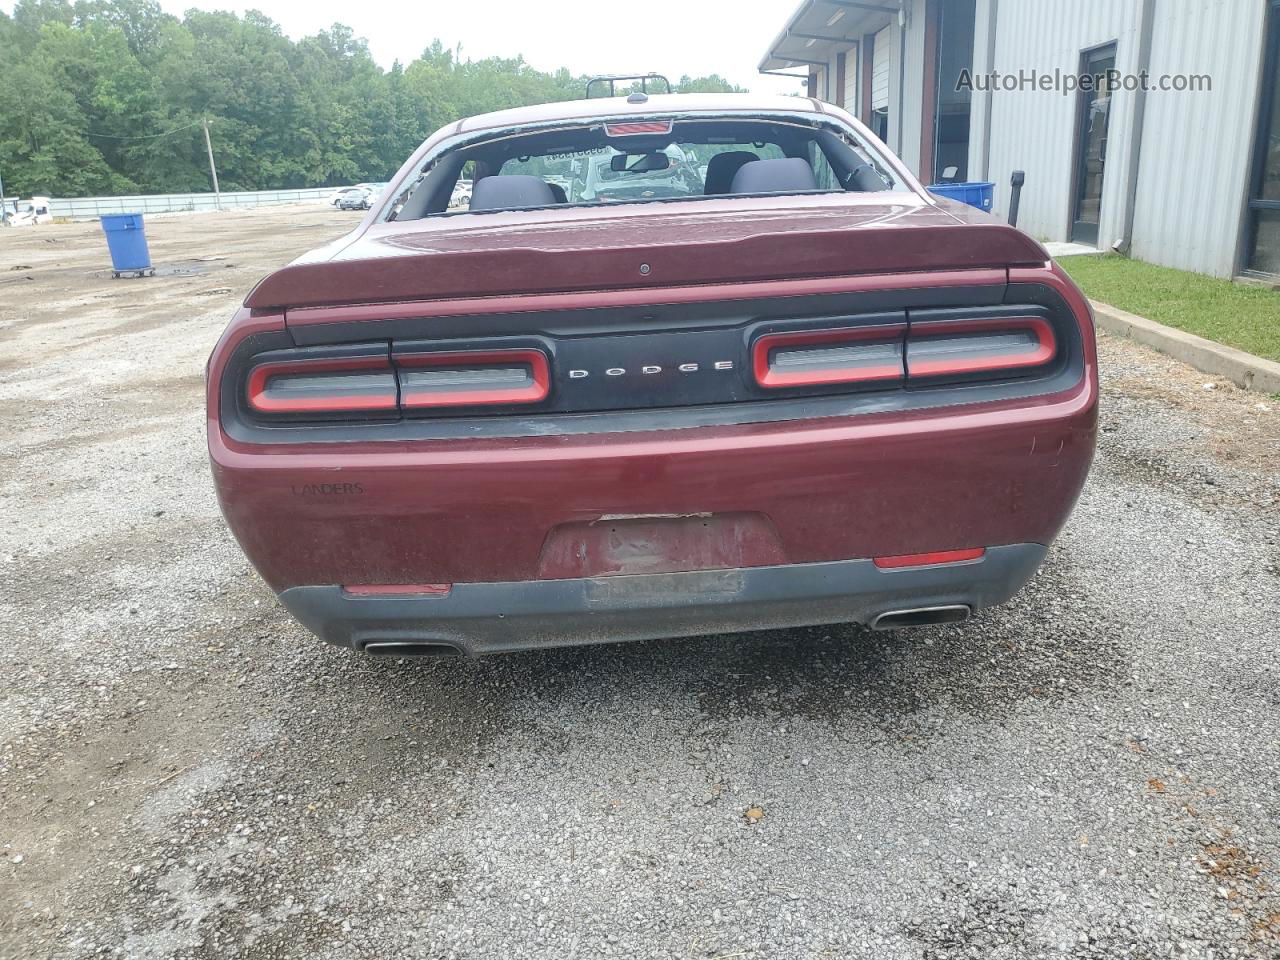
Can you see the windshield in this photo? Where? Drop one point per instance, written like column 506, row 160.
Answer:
column 662, row 160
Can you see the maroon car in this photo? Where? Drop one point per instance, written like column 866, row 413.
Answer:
column 787, row 386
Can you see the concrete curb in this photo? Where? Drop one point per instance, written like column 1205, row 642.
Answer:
column 1242, row 369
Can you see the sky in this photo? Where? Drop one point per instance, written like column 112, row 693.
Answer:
column 672, row 37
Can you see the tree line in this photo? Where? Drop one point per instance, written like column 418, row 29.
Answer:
column 108, row 96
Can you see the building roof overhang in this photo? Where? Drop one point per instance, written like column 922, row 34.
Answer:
column 819, row 27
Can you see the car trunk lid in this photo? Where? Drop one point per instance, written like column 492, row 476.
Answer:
column 660, row 245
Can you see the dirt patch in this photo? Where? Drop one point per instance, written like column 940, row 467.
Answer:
column 1241, row 428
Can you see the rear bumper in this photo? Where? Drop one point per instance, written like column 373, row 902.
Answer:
column 482, row 618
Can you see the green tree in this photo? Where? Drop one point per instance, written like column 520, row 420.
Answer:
column 102, row 96
column 712, row 83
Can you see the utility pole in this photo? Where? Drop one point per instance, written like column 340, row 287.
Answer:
column 213, row 171
column 3, row 213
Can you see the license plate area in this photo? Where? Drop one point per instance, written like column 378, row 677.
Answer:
column 631, row 546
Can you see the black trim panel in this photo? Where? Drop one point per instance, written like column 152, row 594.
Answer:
column 732, row 318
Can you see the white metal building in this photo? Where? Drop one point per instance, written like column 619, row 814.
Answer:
column 1185, row 177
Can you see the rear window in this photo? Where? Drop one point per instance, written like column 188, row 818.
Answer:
column 653, row 161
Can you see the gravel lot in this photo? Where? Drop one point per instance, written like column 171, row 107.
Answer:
column 1089, row 772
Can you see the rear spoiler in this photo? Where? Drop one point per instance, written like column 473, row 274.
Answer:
column 684, row 259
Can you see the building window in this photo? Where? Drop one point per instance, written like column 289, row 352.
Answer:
column 880, row 123
column 1264, row 201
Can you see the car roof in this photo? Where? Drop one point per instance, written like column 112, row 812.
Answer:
column 598, row 108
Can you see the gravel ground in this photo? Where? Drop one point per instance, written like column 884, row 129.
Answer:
column 1090, row 771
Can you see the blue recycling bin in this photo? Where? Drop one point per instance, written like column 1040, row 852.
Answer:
column 977, row 194
column 127, row 241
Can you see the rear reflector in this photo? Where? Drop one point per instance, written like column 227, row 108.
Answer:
column 399, row 589
column 349, row 385
column 473, row 378
column 986, row 345
column 811, row 358
column 930, row 559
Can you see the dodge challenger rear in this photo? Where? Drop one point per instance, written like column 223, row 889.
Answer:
column 685, row 365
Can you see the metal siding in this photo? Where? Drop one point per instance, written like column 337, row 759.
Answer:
column 882, row 56
column 1195, row 153
column 1034, row 130
column 910, row 104
column 980, row 103
column 1196, row 147
column 851, row 72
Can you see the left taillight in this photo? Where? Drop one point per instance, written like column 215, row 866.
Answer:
column 371, row 381
column 323, row 385
column 472, row 378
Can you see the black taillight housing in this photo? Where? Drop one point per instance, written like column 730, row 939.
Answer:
column 472, row 378
column 360, row 381
column 930, row 346
column 979, row 345
column 301, row 387
column 910, row 357
column 844, row 355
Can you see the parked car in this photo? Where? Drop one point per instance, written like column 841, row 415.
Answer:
column 373, row 189
column 357, row 198
column 803, row 391
column 29, row 213
column 461, row 196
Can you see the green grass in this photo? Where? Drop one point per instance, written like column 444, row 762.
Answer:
column 1239, row 315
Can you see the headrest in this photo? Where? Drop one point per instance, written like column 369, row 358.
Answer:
column 784, row 175
column 722, row 167
column 511, row 193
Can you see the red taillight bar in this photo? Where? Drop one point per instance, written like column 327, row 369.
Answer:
column 981, row 345
column 880, row 360
column 930, row 559
column 470, row 389
column 268, row 389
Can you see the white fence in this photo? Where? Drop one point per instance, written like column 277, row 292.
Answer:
column 88, row 208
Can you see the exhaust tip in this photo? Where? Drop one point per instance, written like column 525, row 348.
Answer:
column 410, row 648
column 921, row 617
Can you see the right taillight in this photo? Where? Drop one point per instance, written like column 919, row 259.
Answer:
column 978, row 345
